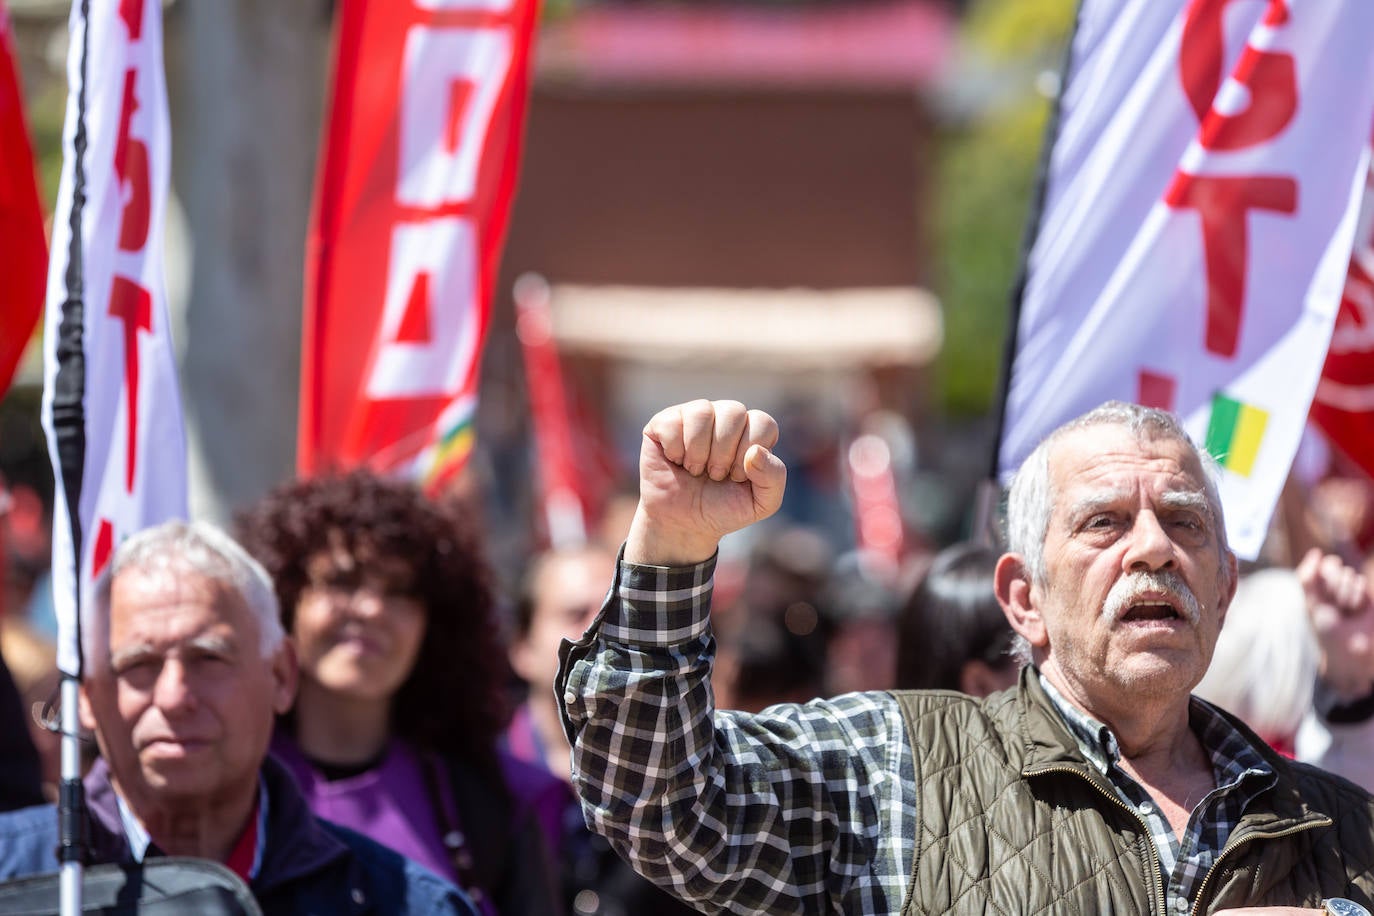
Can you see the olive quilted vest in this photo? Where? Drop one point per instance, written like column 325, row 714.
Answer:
column 1012, row 819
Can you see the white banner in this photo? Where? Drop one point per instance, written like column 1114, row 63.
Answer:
column 134, row 471
column 1198, row 221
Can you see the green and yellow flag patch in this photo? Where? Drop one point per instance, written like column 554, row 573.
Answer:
column 1234, row 433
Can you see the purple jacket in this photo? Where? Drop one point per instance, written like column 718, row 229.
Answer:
column 499, row 822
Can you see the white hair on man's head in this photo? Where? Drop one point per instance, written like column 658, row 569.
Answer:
column 1030, row 502
column 1031, row 499
column 1267, row 657
column 196, row 547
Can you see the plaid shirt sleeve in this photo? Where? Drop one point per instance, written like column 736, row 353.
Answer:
column 799, row 809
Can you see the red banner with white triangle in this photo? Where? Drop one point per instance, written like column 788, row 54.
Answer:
column 422, row 146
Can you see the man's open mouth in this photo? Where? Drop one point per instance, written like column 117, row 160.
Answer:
column 1151, row 610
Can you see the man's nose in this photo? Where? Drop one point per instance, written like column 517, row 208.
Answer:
column 1150, row 547
column 173, row 691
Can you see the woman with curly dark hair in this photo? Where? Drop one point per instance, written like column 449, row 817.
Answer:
column 403, row 683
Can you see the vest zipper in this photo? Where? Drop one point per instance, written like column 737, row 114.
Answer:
column 1243, row 841
column 1157, row 881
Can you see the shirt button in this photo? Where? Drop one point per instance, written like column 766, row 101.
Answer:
column 1146, row 808
column 1181, row 904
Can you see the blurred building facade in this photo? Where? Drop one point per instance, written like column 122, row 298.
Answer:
column 728, row 201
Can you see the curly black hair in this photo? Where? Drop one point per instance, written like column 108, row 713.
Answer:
column 454, row 700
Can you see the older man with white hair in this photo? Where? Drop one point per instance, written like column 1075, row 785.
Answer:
column 1097, row 785
column 186, row 667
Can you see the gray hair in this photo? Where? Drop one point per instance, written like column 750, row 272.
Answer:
column 198, row 547
column 1267, row 658
column 1030, row 501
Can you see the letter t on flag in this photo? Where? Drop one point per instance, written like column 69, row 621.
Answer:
column 111, row 407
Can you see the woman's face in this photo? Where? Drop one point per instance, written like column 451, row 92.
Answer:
column 358, row 625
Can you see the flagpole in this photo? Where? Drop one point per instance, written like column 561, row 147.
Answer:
column 69, row 448
column 985, row 504
column 71, row 809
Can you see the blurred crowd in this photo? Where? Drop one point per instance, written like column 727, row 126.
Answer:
column 425, row 718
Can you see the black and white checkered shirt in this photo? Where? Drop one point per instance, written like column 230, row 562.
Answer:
column 800, row 809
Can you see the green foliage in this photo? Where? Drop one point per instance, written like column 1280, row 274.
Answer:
column 1012, row 31
column 986, row 176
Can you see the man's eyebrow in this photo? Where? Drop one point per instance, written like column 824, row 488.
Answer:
column 128, row 654
column 1186, row 499
column 212, row 643
column 1096, row 502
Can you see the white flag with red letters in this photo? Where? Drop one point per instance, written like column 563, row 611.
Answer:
column 109, row 371
column 1200, row 208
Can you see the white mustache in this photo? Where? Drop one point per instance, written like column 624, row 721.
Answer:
column 1134, row 586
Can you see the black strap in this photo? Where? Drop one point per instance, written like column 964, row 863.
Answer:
column 478, row 853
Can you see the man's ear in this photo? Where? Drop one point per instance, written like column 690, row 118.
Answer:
column 286, row 671
column 84, row 710
column 1012, row 581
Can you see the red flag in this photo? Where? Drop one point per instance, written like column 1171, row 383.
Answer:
column 879, row 529
column 422, row 145
column 566, row 504
column 21, row 219
column 1344, row 404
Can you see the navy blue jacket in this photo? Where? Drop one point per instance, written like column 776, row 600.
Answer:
column 309, row 866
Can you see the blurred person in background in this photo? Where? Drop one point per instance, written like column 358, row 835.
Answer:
column 21, row 782
column 860, row 605
column 28, row 621
column 1266, row 660
column 560, row 596
column 395, row 728
column 952, row 633
column 772, row 629
column 1338, row 734
column 20, row 773
column 32, row 664
column 777, row 656
column 27, row 531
